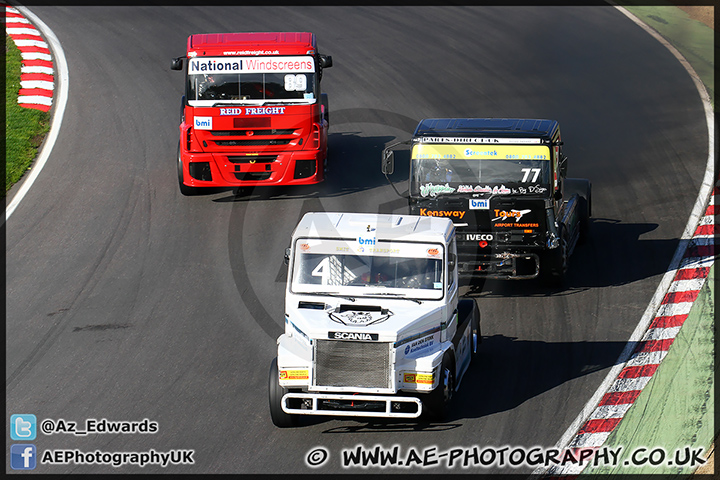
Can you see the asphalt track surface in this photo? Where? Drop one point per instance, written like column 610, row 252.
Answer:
column 126, row 300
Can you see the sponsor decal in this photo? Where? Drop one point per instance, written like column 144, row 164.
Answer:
column 367, row 337
column 265, row 110
column 366, row 241
column 280, row 64
column 497, row 152
column 212, row 65
column 531, row 189
column 488, row 237
column 251, row 52
column 475, row 153
column 418, row 345
column 518, row 225
column 434, row 190
column 421, row 378
column 202, row 123
column 442, row 213
column 205, row 65
column 304, row 246
column 231, row 111
column 479, row 204
column 516, row 214
column 433, row 252
column 294, row 375
column 501, row 190
column 477, row 140
column 384, row 250
column 537, row 189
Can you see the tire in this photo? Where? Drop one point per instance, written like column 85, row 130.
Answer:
column 438, row 401
column 184, row 189
column 475, row 335
column 555, row 262
column 583, row 189
column 468, row 307
column 275, row 393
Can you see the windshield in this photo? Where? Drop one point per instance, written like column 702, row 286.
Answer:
column 349, row 267
column 487, row 169
column 250, row 80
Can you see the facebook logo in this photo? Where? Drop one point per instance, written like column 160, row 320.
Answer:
column 22, row 457
column 23, row 427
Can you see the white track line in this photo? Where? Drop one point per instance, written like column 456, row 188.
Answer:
column 697, row 213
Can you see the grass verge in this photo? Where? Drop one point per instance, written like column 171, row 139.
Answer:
column 25, row 128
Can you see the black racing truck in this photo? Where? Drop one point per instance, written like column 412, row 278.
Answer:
column 503, row 183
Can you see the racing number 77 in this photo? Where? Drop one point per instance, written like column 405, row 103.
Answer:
column 527, row 171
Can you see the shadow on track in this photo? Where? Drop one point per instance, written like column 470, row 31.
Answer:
column 508, row 373
column 613, row 255
column 353, row 160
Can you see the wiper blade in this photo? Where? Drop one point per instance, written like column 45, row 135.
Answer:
column 332, row 294
column 293, row 101
column 395, row 295
column 225, row 104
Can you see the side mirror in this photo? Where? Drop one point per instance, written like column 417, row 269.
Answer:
column 287, row 256
column 451, row 262
column 563, row 166
column 388, row 162
column 325, row 61
column 177, row 63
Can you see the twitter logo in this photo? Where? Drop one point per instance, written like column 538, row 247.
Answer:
column 23, row 427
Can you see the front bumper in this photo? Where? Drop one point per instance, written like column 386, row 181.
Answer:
column 353, row 405
column 502, row 265
column 243, row 170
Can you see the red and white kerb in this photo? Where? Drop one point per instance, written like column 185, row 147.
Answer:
column 652, row 349
column 36, row 77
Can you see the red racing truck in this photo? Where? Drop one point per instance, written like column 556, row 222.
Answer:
column 253, row 112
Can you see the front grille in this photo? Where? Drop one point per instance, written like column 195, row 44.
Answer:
column 253, row 176
column 252, row 143
column 352, row 364
column 252, row 159
column 243, row 133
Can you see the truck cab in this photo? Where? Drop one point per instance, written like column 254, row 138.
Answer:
column 503, row 184
column 373, row 323
column 252, row 112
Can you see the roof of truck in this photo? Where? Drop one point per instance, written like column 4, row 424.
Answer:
column 380, row 226
column 495, row 127
column 267, row 42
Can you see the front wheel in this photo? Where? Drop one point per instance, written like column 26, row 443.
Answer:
column 184, row 189
column 554, row 263
column 275, row 393
column 438, row 401
column 475, row 336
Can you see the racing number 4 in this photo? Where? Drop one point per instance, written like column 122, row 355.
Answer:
column 322, row 270
column 527, row 171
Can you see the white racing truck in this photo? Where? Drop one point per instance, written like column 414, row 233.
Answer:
column 373, row 323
